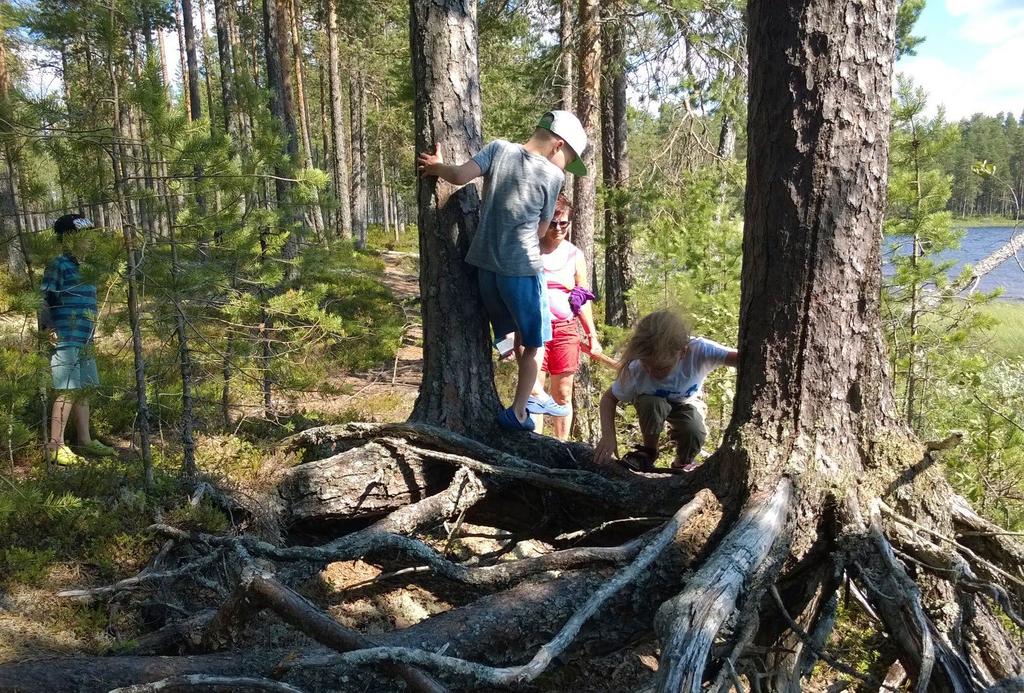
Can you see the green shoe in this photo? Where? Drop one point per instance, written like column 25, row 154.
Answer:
column 65, row 456
column 95, row 448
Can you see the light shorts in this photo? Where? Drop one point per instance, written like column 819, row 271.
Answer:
column 73, row 367
column 516, row 304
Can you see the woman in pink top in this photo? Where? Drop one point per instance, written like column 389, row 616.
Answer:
column 565, row 272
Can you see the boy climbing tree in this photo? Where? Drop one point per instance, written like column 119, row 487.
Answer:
column 521, row 186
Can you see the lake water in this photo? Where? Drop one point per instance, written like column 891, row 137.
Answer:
column 978, row 243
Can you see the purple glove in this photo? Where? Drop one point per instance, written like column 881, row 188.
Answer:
column 579, row 296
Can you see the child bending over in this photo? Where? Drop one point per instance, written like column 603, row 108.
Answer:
column 662, row 372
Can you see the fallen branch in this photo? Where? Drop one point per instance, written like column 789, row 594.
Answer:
column 204, row 681
column 108, row 672
column 897, row 600
column 960, row 547
column 141, row 579
column 511, row 467
column 582, row 534
column 950, row 565
column 367, row 543
column 172, row 635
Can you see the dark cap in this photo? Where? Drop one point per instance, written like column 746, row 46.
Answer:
column 70, row 223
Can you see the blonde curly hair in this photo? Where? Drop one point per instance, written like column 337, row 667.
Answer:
column 658, row 340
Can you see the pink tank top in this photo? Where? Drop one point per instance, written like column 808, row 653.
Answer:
column 560, row 275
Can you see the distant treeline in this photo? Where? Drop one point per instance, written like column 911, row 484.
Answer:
column 999, row 141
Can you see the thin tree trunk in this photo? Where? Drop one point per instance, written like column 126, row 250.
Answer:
column 222, row 9
column 618, row 257
column 315, row 214
column 279, row 79
column 588, row 111
column 458, row 386
column 128, row 228
column 385, row 194
column 207, row 67
column 357, row 98
column 342, row 181
column 188, row 447
column 585, row 189
column 165, row 67
column 186, row 80
column 565, row 35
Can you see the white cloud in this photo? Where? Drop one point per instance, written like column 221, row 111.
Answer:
column 979, row 73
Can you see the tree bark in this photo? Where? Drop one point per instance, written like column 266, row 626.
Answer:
column 458, row 383
column 342, row 182
column 588, row 106
column 567, row 47
column 195, row 108
column 357, row 104
column 619, row 262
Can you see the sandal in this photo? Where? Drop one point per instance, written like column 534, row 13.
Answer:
column 677, row 468
column 639, row 459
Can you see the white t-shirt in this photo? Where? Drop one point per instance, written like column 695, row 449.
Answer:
column 683, row 384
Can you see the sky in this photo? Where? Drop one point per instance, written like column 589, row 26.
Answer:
column 972, row 59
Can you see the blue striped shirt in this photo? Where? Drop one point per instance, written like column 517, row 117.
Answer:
column 72, row 302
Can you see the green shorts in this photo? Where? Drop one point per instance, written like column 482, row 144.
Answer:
column 73, row 367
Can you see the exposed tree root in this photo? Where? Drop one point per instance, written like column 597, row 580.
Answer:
column 750, row 612
column 509, row 676
column 687, row 624
column 297, row 611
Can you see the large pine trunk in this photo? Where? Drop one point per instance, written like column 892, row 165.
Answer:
column 816, row 451
column 458, row 387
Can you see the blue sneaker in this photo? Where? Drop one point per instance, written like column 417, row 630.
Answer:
column 507, row 419
column 546, row 404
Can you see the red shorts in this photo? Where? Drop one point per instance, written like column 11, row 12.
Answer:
column 562, row 353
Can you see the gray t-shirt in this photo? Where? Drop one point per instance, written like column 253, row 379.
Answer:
column 520, row 190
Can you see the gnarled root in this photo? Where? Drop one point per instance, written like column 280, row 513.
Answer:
column 688, row 623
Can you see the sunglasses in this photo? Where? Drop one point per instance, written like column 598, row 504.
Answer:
column 561, row 224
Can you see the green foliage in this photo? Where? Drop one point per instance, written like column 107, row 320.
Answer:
column 82, row 512
column 907, row 15
column 956, row 360
column 204, row 517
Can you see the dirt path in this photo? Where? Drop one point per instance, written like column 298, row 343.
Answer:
column 386, row 393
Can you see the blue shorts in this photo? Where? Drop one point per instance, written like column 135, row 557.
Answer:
column 73, row 367
column 516, row 304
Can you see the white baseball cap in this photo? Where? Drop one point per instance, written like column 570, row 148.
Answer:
column 567, row 126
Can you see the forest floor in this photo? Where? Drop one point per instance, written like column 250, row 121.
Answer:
column 86, row 527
